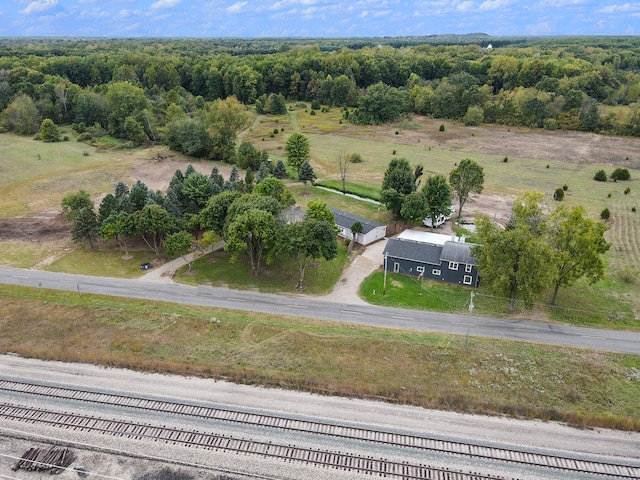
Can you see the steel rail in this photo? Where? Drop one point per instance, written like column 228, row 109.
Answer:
column 473, row 450
column 322, row 458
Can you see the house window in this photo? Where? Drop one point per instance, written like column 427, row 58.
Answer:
column 420, row 270
column 396, row 267
column 467, row 268
column 467, row 279
column 453, row 265
column 435, row 272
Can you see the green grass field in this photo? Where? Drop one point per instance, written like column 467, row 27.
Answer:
column 449, row 372
column 434, row 371
column 34, row 176
column 279, row 277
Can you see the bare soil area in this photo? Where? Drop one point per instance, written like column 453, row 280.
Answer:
column 48, row 226
column 575, row 147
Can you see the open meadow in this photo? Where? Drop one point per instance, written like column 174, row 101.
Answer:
column 437, row 371
column 37, row 175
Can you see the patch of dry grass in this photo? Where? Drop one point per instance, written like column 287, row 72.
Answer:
column 434, row 371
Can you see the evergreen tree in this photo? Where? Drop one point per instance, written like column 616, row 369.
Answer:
column 263, row 172
column 280, row 171
column 216, row 177
column 85, row 226
column 306, row 174
column 248, row 180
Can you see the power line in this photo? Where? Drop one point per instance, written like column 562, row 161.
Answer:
column 538, row 304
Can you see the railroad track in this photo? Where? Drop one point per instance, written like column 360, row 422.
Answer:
column 427, row 444
column 317, row 457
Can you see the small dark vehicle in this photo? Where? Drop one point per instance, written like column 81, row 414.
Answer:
column 145, row 266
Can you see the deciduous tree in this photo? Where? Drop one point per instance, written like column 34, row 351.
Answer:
column 49, row 131
column 577, row 244
column 214, row 215
column 318, row 209
column 308, row 241
column 153, row 222
column 414, row 208
column 225, row 118
column 517, row 260
column 119, row 226
column 124, row 100
column 189, row 136
column 437, row 195
column 275, row 188
column 179, row 243
column 21, row 116
column 251, row 232
column 72, row 203
column 343, row 164
column 297, row 150
column 398, row 181
column 465, row 179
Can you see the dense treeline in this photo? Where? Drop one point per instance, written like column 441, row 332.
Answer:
column 197, row 210
column 138, row 89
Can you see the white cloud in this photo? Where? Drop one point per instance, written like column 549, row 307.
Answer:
column 236, row 7
column 627, row 7
column 559, row 3
column 165, row 4
column 467, row 6
column 39, row 6
column 291, row 3
column 489, row 5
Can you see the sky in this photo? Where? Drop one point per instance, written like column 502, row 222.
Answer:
column 315, row 18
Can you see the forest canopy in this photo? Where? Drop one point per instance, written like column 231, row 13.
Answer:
column 155, row 90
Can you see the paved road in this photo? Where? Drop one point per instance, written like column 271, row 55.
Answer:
column 611, row 340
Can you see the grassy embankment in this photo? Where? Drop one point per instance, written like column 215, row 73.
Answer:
column 478, row 375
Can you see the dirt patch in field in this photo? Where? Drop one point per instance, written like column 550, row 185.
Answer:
column 157, row 166
column 44, row 227
column 574, row 147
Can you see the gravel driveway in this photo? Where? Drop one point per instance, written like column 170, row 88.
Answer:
column 347, row 287
column 344, row 291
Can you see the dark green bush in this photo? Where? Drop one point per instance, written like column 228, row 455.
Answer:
column 620, row 174
column 558, row 195
column 605, row 214
column 600, row 176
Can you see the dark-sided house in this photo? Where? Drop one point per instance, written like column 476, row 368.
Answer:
column 435, row 256
column 371, row 231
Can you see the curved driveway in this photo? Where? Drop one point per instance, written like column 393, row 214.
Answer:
column 618, row 341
